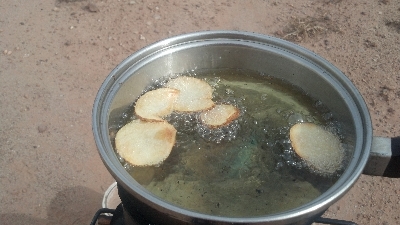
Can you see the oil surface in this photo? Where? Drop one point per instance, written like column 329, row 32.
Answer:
column 247, row 168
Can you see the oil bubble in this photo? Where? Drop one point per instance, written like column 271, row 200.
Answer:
column 264, row 97
column 128, row 166
column 214, row 82
column 217, row 135
column 318, row 104
column 229, row 91
column 295, row 118
column 327, row 116
column 125, row 115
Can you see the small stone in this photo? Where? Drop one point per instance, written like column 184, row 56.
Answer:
column 391, row 110
column 56, row 9
column 142, row 37
column 7, row 52
column 42, row 128
column 91, row 7
column 132, row 2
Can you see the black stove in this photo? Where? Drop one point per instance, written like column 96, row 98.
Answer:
column 120, row 217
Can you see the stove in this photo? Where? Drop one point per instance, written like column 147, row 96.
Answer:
column 124, row 212
column 120, row 217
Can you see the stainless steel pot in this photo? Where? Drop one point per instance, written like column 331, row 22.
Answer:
column 231, row 49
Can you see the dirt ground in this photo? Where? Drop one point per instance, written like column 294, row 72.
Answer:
column 56, row 53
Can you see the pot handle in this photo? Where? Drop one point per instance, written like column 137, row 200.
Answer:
column 384, row 159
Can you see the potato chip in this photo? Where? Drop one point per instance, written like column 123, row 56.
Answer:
column 145, row 143
column 319, row 148
column 219, row 115
column 156, row 104
column 195, row 94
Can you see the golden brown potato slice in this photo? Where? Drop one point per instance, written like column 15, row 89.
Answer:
column 195, row 94
column 145, row 143
column 220, row 115
column 154, row 105
column 320, row 148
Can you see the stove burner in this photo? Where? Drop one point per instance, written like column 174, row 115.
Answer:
column 117, row 217
column 102, row 219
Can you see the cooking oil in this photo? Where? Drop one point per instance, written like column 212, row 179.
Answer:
column 247, row 168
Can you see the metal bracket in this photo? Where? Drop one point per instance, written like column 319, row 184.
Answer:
column 384, row 159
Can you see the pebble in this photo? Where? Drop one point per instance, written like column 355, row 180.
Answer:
column 56, row 9
column 91, row 7
column 42, row 128
column 7, row 52
column 132, row 2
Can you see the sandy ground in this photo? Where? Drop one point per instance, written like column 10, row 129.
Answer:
column 56, row 53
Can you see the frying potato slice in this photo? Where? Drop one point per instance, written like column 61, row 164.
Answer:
column 154, row 105
column 220, row 115
column 145, row 143
column 320, row 148
column 195, row 94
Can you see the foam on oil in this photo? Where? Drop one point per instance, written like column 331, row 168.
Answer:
column 247, row 168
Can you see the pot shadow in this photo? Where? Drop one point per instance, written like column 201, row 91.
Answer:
column 76, row 205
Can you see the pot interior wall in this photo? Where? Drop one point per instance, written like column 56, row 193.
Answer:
column 314, row 80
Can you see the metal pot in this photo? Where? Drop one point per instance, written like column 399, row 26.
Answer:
column 231, row 49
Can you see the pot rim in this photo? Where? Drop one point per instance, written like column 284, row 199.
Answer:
column 320, row 204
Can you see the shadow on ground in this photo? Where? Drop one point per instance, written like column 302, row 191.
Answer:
column 76, row 205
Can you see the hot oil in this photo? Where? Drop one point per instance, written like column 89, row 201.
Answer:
column 247, row 168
